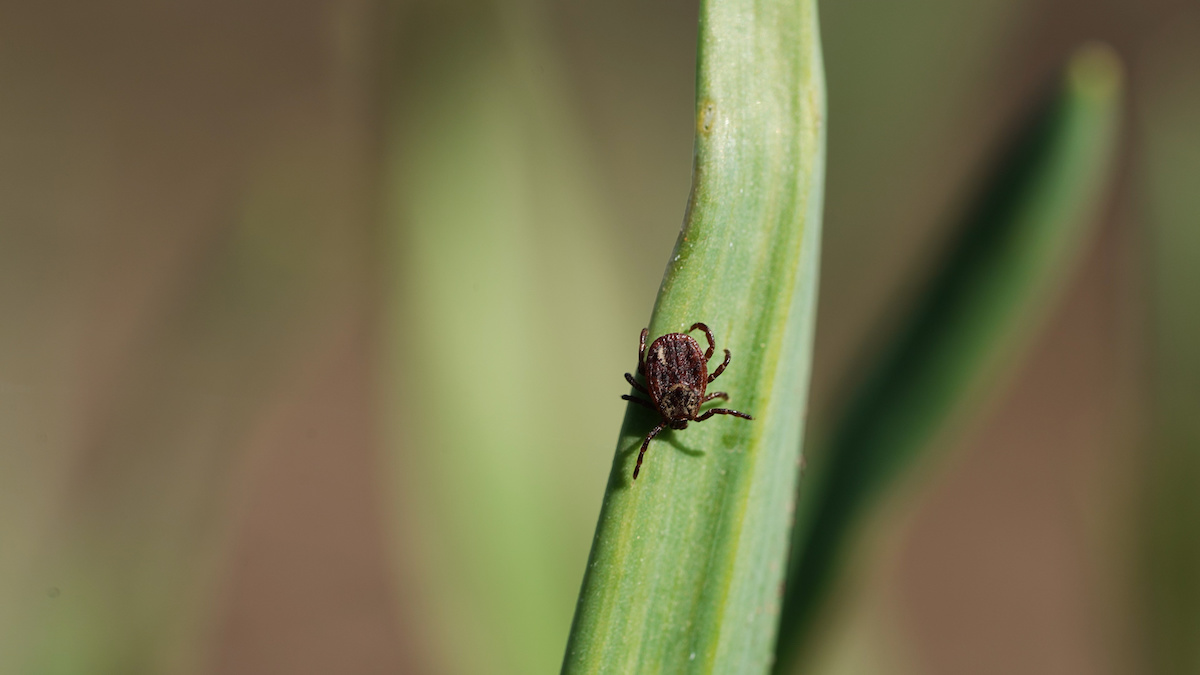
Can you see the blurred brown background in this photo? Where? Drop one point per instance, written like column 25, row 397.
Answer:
column 244, row 247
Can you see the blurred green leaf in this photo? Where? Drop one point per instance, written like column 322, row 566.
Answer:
column 1012, row 255
column 1169, row 527
column 686, row 564
column 503, row 331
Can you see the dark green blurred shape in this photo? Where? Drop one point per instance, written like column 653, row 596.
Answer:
column 1012, row 254
column 1169, row 527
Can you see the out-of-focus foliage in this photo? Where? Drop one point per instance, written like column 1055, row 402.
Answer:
column 502, row 314
column 120, row 581
column 1010, row 259
column 1169, row 531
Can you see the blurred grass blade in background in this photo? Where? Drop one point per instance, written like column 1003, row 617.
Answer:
column 686, row 564
column 503, row 313
column 1012, row 255
column 1168, row 530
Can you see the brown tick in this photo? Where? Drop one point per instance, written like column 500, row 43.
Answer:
column 678, row 375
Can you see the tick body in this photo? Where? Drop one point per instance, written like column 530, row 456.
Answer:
column 677, row 379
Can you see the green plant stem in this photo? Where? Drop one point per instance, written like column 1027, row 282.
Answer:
column 686, row 564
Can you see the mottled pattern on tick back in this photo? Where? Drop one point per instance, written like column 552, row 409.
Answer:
column 677, row 376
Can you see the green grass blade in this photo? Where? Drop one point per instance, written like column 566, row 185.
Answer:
column 686, row 564
column 1013, row 252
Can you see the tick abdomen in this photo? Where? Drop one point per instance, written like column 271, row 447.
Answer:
column 677, row 375
column 680, row 401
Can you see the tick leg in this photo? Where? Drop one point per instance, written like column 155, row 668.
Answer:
column 636, row 385
column 720, row 369
column 716, row 394
column 712, row 344
column 723, row 411
column 642, row 452
column 640, row 401
column 642, row 352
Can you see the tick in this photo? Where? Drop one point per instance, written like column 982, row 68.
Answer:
column 677, row 375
